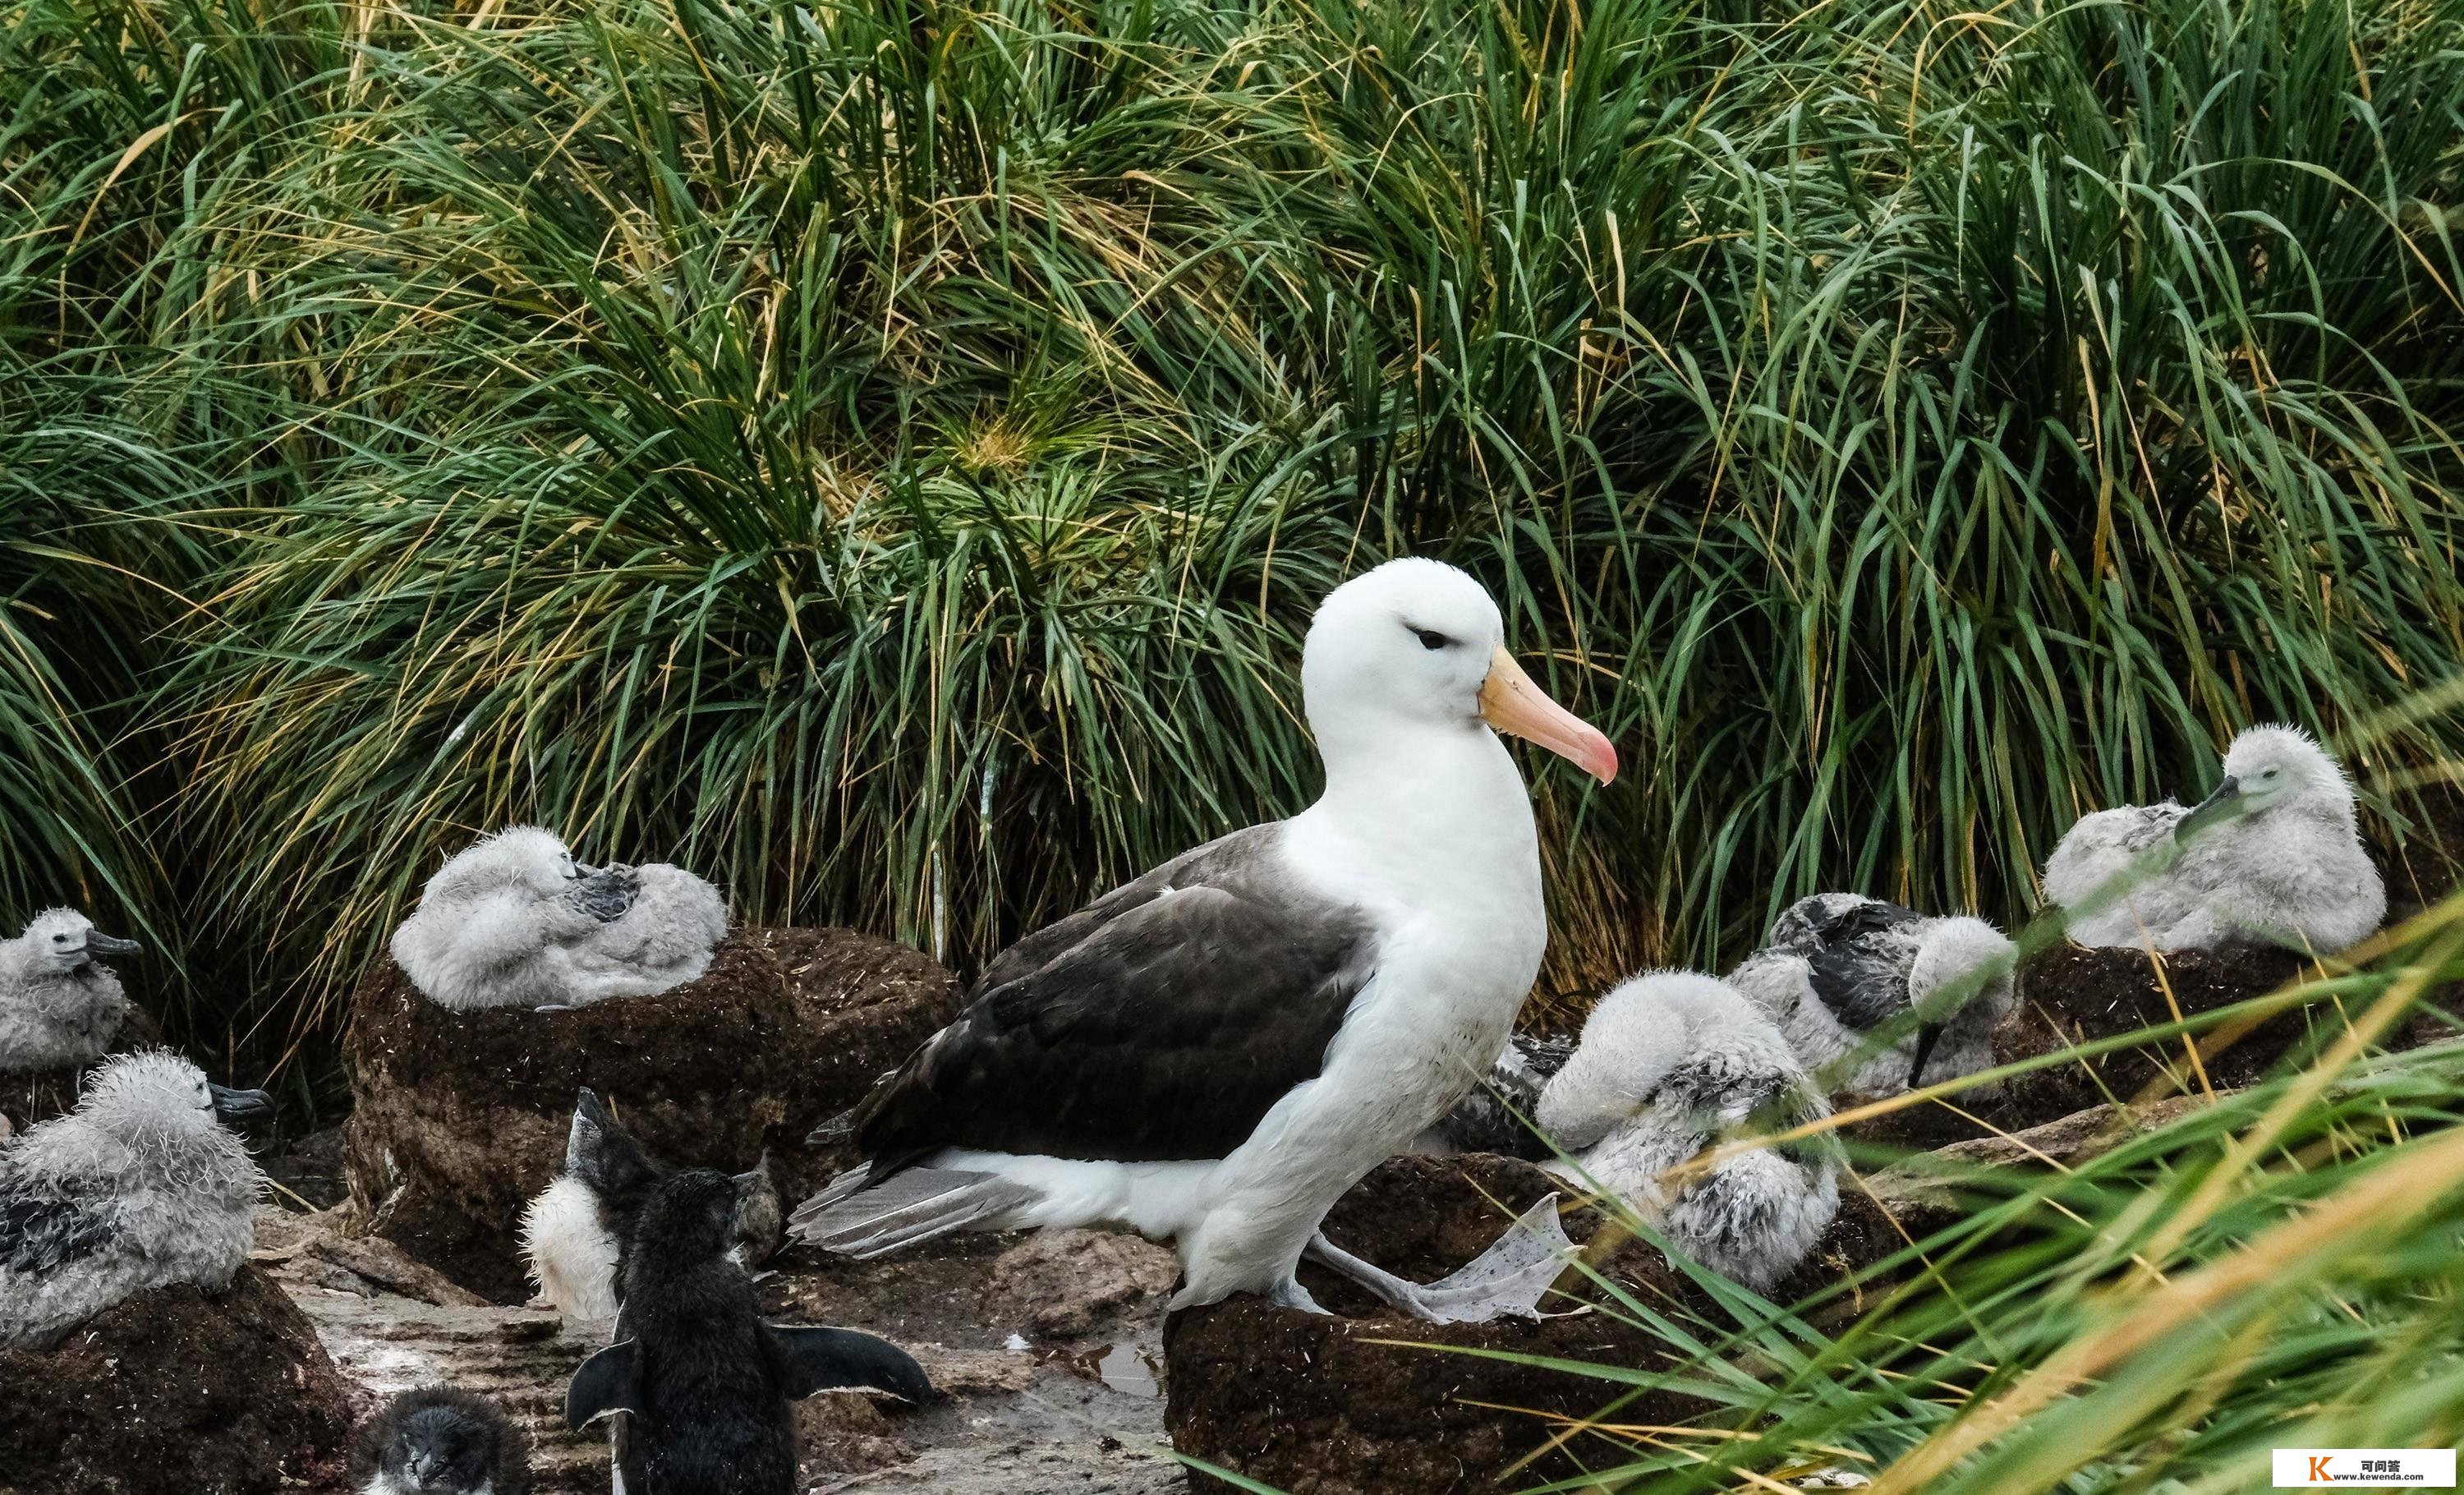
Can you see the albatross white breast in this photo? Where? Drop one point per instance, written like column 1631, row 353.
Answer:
column 1213, row 1052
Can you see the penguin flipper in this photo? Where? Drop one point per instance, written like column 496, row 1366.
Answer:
column 812, row 1360
column 606, row 1384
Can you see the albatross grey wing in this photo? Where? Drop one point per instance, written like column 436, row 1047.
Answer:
column 1183, row 1007
column 41, row 1229
column 1863, row 992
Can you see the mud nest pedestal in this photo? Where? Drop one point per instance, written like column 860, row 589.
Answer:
column 1354, row 1404
column 32, row 1096
column 178, row 1391
column 2070, row 995
column 459, row 1118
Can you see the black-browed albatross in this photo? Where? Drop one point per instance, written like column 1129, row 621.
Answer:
column 1213, row 1052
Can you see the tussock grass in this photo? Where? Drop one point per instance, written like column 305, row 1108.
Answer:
column 2275, row 1268
column 886, row 453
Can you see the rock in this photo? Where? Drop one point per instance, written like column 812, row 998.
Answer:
column 1065, row 1283
column 36, row 1096
column 2063, row 1142
column 518, row 1358
column 308, row 1170
column 180, row 1392
column 461, row 1116
column 1006, row 1422
column 320, row 1249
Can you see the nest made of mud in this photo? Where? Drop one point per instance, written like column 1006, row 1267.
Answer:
column 178, row 1391
column 459, row 1118
column 32, row 1096
column 1355, row 1402
column 2070, row 995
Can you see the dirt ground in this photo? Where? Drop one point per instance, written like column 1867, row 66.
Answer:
column 1026, row 1412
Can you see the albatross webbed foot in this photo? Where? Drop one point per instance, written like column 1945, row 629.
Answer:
column 1509, row 1277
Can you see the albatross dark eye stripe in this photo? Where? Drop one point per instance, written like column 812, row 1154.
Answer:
column 1430, row 638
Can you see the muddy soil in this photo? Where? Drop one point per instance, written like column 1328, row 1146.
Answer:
column 459, row 1118
column 1026, row 1412
column 178, row 1391
column 2069, row 996
column 37, row 1095
column 1357, row 1404
column 2430, row 864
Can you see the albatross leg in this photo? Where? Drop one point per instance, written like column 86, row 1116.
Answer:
column 1290, row 1295
column 1509, row 1277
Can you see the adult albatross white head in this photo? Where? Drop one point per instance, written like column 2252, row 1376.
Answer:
column 1215, row 1052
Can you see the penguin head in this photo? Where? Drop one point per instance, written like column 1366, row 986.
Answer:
column 519, row 859
column 688, row 1221
column 64, row 942
column 761, row 1215
column 439, row 1441
column 602, row 1153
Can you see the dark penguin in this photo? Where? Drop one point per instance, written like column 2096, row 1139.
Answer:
column 573, row 1232
column 437, row 1440
column 707, row 1389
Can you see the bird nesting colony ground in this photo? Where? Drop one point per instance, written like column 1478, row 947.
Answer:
column 460, row 1117
column 177, row 1391
column 1355, row 1405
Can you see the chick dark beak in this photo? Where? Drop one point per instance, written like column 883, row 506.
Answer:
column 241, row 1108
column 99, row 943
column 1927, row 1034
column 2222, row 805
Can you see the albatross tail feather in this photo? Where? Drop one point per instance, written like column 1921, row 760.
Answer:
column 915, row 1204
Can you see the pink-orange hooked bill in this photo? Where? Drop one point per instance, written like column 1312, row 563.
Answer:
column 1510, row 702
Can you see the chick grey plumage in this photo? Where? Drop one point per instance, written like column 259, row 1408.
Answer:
column 704, row 1387
column 1840, row 971
column 515, row 921
column 2272, row 857
column 1671, row 1064
column 138, row 1187
column 59, row 1006
column 1496, row 1116
column 439, row 1440
column 574, row 1230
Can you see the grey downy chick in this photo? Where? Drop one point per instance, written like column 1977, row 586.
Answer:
column 703, row 1389
column 60, row 1008
column 1496, row 1116
column 515, row 921
column 1876, row 998
column 573, row 1231
column 140, row 1187
column 1670, row 1066
column 438, row 1440
column 2274, row 856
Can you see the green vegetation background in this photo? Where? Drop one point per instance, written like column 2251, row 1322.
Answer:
column 884, row 455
